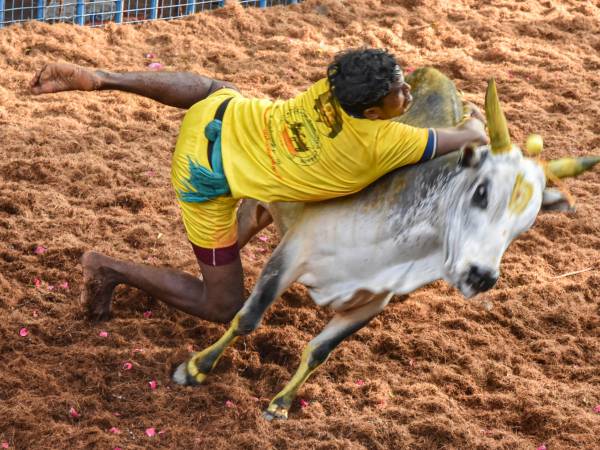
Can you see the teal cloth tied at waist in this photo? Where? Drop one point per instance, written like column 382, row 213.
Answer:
column 202, row 184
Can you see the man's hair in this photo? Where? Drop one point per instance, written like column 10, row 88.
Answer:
column 360, row 78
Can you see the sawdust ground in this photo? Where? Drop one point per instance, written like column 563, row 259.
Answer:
column 91, row 171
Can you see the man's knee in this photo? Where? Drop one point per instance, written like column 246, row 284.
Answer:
column 223, row 289
column 218, row 84
column 226, row 312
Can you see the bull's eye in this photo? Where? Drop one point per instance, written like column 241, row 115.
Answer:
column 480, row 197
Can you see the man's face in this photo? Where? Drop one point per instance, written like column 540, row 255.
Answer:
column 397, row 100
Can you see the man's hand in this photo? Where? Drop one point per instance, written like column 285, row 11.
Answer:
column 477, row 128
column 474, row 111
column 469, row 131
column 58, row 77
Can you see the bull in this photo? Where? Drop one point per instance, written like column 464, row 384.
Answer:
column 451, row 218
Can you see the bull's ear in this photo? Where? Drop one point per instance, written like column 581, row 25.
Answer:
column 471, row 157
column 554, row 200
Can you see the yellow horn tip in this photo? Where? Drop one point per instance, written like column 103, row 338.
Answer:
column 534, row 144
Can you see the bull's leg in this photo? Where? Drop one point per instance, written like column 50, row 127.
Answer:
column 317, row 351
column 274, row 279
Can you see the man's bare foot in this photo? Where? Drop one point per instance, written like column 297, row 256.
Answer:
column 59, row 77
column 99, row 281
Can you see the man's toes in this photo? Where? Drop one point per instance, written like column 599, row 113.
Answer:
column 98, row 316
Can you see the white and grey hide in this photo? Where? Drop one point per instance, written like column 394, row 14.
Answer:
column 445, row 219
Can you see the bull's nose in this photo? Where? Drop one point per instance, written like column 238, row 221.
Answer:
column 481, row 279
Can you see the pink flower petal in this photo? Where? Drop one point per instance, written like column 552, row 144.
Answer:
column 137, row 350
column 114, row 430
column 103, row 334
column 40, row 250
column 150, row 55
column 50, row 287
column 5, row 444
column 117, row 414
column 150, row 432
column 73, row 413
column 229, row 404
column 37, row 282
column 147, row 314
column 162, row 432
column 64, row 285
column 360, row 382
column 155, row 66
column 23, row 332
column 542, row 447
column 409, row 69
column 597, row 409
column 117, row 448
column 127, row 365
column 153, row 384
column 263, row 238
column 303, row 403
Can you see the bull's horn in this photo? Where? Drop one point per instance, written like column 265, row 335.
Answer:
column 571, row 167
column 496, row 122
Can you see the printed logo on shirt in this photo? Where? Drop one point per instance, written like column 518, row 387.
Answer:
column 298, row 137
column 328, row 113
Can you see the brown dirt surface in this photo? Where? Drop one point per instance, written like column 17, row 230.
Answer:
column 86, row 171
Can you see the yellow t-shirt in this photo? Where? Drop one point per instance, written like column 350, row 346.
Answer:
column 309, row 149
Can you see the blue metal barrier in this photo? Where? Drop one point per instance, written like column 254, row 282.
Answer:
column 99, row 12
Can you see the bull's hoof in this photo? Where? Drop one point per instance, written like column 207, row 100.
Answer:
column 276, row 412
column 183, row 377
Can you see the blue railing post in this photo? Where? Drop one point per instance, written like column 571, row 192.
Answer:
column 80, row 14
column 119, row 11
column 37, row 10
column 39, row 15
column 190, row 7
column 153, row 9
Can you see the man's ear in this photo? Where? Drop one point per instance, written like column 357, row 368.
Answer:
column 554, row 200
column 372, row 113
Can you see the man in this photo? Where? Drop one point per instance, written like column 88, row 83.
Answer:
column 331, row 140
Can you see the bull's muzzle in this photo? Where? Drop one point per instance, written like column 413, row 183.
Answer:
column 481, row 279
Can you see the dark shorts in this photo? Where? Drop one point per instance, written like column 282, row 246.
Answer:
column 216, row 256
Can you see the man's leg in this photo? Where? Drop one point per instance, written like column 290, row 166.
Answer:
column 215, row 298
column 251, row 217
column 178, row 89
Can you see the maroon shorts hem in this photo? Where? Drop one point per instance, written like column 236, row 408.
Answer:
column 216, row 256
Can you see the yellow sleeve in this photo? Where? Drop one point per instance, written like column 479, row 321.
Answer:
column 400, row 145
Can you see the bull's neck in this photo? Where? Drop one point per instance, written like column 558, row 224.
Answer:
column 416, row 199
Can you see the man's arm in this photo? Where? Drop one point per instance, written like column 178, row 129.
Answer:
column 178, row 89
column 450, row 139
